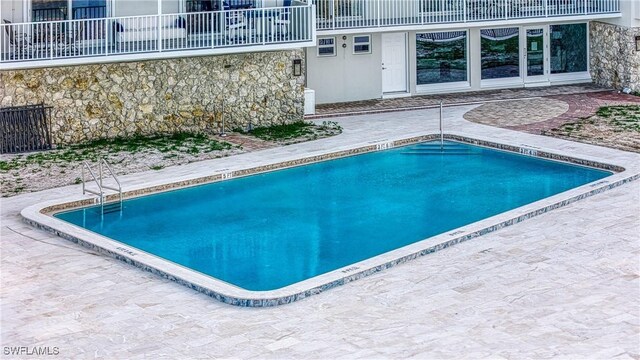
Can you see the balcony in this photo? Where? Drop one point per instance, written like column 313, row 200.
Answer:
column 128, row 38
column 353, row 14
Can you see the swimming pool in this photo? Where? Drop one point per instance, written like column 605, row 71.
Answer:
column 271, row 230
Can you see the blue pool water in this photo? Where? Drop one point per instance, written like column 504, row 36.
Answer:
column 270, row 230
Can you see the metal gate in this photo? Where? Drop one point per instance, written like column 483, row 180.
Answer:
column 25, row 128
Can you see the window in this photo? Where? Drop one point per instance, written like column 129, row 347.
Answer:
column 441, row 57
column 500, row 53
column 327, row 46
column 568, row 48
column 362, row 44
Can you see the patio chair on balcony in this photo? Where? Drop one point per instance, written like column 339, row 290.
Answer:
column 235, row 23
column 21, row 44
column 282, row 21
column 69, row 44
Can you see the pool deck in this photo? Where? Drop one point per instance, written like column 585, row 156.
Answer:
column 563, row 284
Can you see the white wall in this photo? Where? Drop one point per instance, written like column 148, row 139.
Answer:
column 630, row 10
column 144, row 7
column 346, row 77
column 11, row 10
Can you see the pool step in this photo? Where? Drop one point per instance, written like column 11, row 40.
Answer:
column 111, row 207
column 439, row 152
column 434, row 145
column 437, row 149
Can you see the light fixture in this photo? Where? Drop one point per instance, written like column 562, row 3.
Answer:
column 637, row 43
column 297, row 67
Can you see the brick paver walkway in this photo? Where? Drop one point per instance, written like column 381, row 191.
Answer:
column 580, row 106
column 520, row 112
column 531, row 110
column 426, row 101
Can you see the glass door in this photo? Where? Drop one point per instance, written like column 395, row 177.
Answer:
column 54, row 10
column 536, row 54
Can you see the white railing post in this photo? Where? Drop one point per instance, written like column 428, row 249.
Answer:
column 585, row 7
column 50, row 33
column 263, row 27
column 465, row 8
column 158, row 19
column 213, row 30
column 546, row 8
column 158, row 29
column 106, row 37
column 332, row 8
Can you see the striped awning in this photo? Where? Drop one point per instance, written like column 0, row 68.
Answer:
column 499, row 34
column 441, row 36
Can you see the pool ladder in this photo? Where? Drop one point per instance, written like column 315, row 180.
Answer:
column 100, row 193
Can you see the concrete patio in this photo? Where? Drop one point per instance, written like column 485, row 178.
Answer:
column 563, row 284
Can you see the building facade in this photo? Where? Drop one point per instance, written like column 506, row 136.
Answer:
column 382, row 49
column 119, row 67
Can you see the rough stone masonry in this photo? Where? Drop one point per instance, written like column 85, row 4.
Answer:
column 161, row 96
column 614, row 59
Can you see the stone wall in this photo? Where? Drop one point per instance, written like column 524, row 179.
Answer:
column 161, row 96
column 614, row 59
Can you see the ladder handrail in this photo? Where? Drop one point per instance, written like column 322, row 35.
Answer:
column 113, row 175
column 441, row 133
column 85, row 165
column 95, row 179
column 98, row 180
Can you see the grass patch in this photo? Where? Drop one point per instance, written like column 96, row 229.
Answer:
column 622, row 118
column 296, row 132
column 171, row 145
column 284, row 131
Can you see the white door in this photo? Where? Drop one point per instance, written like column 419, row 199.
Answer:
column 536, row 54
column 394, row 62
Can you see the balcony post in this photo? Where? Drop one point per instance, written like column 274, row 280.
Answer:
column 213, row 29
column 158, row 22
column 546, row 8
column 585, row 7
column 50, row 32
column 106, row 37
column 504, row 8
column 332, row 8
column 464, row 11
column 263, row 21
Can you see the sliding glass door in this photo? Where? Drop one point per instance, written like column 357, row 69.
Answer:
column 52, row 10
column 536, row 54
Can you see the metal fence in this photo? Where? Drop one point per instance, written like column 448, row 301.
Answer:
column 344, row 14
column 25, row 128
column 53, row 40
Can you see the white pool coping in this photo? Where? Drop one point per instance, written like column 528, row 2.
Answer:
column 39, row 215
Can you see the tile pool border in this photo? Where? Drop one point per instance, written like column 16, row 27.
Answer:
column 39, row 216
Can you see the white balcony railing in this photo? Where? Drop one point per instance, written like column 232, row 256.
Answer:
column 346, row 14
column 116, row 36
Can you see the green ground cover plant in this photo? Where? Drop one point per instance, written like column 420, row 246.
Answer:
column 296, row 131
column 615, row 126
